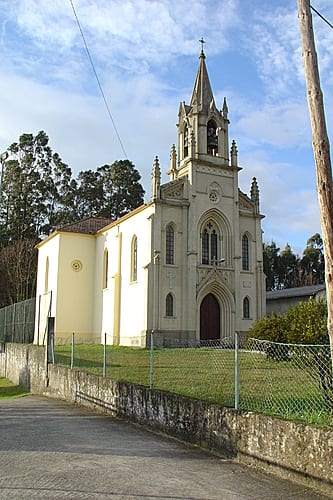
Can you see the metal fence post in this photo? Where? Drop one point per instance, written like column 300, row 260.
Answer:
column 104, row 357
column 72, row 356
column 236, row 372
column 151, row 364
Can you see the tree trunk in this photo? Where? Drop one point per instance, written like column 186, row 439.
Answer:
column 321, row 150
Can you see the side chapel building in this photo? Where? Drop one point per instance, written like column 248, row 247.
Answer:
column 187, row 264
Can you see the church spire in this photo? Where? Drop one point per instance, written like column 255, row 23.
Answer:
column 202, row 128
column 202, row 95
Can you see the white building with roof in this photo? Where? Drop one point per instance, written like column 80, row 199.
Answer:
column 188, row 264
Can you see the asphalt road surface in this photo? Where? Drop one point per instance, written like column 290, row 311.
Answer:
column 52, row 450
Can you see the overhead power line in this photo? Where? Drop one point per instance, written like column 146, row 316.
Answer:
column 97, row 79
column 321, row 16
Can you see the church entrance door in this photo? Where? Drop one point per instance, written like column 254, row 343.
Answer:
column 209, row 318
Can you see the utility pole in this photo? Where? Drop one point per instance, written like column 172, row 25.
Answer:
column 321, row 150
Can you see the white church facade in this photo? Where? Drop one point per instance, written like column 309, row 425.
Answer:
column 188, row 264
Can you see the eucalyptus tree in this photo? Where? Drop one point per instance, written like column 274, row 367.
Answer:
column 271, row 265
column 36, row 187
column 288, row 268
column 122, row 191
column 88, row 199
column 312, row 264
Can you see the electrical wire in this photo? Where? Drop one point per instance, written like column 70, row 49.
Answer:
column 321, row 16
column 98, row 80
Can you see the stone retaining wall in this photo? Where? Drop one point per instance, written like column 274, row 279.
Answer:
column 302, row 452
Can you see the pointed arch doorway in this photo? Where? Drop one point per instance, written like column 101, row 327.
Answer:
column 210, row 318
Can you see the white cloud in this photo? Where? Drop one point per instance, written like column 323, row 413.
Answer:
column 132, row 35
column 284, row 125
column 79, row 127
column 287, row 199
column 141, row 51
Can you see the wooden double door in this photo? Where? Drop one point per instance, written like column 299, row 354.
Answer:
column 210, row 318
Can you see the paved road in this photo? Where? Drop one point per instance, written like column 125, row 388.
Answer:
column 52, row 450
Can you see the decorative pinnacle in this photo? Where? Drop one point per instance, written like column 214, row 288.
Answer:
column 234, row 154
column 173, row 160
column 225, row 108
column 156, row 179
column 156, row 166
column 255, row 193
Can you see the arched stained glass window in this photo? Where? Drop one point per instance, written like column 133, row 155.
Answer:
column 46, row 282
column 213, row 241
column 170, row 245
column 205, row 247
column 209, row 244
column 169, row 305
column 246, row 308
column 105, row 268
column 134, row 259
column 245, row 253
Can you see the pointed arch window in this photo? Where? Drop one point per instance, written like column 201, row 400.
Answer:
column 134, row 259
column 185, row 141
column 245, row 252
column 170, row 245
column 209, row 244
column 169, row 305
column 212, row 139
column 105, row 268
column 246, row 308
column 46, row 277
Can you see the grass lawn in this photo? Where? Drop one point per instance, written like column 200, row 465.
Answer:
column 10, row 390
column 265, row 386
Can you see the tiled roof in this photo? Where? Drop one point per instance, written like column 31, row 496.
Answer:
column 300, row 291
column 86, row 226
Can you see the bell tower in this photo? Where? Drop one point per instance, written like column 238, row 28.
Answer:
column 202, row 127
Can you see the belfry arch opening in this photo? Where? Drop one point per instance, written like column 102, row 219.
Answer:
column 185, row 141
column 210, row 318
column 212, row 139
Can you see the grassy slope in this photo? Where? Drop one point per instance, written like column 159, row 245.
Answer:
column 10, row 390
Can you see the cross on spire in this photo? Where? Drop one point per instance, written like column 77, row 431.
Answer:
column 202, row 41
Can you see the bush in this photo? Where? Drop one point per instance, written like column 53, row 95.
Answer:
column 305, row 323
column 271, row 328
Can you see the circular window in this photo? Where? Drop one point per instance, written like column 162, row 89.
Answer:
column 213, row 197
column 76, row 265
column 214, row 192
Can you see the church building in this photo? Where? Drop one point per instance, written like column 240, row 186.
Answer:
column 187, row 265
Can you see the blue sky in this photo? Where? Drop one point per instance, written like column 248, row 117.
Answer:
column 146, row 56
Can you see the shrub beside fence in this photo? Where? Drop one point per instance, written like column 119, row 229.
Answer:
column 290, row 381
column 17, row 322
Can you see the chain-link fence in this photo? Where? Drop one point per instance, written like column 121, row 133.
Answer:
column 290, row 381
column 202, row 370
column 17, row 322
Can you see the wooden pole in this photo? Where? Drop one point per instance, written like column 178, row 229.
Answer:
column 321, row 150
